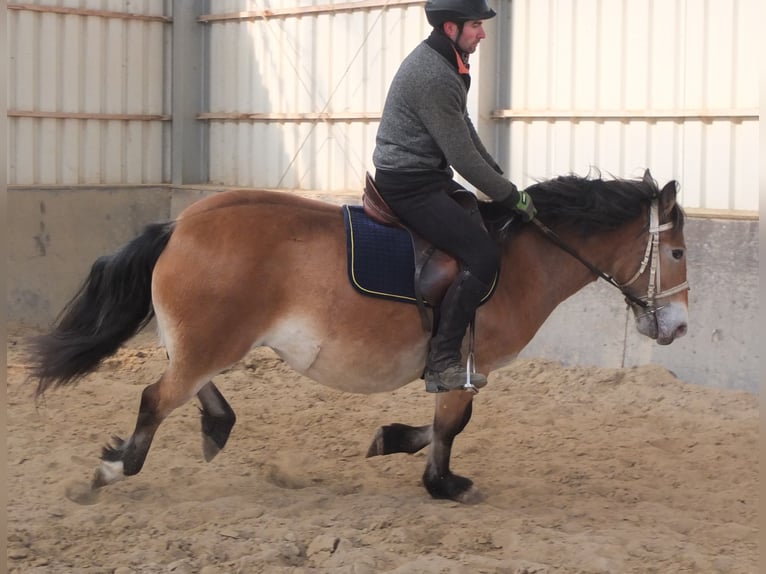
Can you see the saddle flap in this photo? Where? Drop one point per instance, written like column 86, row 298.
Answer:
column 435, row 270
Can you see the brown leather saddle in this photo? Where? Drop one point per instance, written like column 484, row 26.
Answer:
column 435, row 270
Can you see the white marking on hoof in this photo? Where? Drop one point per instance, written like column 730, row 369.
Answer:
column 108, row 473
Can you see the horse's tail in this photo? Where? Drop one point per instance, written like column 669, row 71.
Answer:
column 112, row 305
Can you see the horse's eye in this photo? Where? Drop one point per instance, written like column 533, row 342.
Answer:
column 677, row 253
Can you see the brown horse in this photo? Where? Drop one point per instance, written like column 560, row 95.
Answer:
column 245, row 268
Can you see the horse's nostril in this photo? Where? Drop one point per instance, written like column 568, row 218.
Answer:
column 681, row 330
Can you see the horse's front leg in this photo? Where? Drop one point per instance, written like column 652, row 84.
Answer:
column 453, row 411
column 397, row 437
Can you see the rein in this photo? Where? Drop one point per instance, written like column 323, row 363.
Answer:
column 651, row 255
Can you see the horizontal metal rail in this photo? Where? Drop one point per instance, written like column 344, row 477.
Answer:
column 291, row 117
column 304, row 10
column 735, row 116
column 628, row 115
column 738, row 115
column 86, row 12
column 88, row 116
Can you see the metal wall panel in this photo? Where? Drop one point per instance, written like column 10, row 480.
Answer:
column 312, row 86
column 618, row 85
column 86, row 93
column 628, row 84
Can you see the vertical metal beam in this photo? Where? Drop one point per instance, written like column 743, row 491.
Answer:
column 189, row 75
column 502, row 48
column 4, row 236
column 481, row 97
column 486, row 93
column 4, row 52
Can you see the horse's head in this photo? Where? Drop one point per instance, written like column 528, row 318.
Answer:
column 627, row 231
column 660, row 280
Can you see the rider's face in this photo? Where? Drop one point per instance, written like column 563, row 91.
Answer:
column 468, row 41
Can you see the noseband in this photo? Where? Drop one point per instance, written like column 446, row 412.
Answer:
column 651, row 259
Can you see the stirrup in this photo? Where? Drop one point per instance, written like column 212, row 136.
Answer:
column 470, row 365
column 470, row 369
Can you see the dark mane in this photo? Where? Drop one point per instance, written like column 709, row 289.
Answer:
column 582, row 204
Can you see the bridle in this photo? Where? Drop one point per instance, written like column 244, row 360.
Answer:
column 651, row 259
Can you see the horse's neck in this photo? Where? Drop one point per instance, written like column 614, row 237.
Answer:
column 542, row 275
column 536, row 276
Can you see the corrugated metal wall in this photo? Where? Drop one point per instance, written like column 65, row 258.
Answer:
column 87, row 92
column 619, row 85
column 310, row 81
column 627, row 84
column 295, row 91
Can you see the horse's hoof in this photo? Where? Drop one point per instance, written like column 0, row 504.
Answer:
column 452, row 487
column 471, row 496
column 209, row 448
column 108, row 473
column 377, row 446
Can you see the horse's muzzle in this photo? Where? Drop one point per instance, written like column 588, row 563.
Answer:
column 664, row 324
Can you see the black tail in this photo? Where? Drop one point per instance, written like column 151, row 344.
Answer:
column 113, row 304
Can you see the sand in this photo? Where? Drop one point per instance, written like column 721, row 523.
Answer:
column 584, row 470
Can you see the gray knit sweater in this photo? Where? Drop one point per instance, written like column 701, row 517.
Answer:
column 425, row 126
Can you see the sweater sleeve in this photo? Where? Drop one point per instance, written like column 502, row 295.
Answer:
column 480, row 146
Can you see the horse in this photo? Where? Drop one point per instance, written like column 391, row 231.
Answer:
column 242, row 269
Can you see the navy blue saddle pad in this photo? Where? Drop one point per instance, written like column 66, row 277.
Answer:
column 381, row 262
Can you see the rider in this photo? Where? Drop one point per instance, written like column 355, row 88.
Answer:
column 423, row 131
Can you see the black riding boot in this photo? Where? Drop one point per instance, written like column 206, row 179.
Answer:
column 444, row 369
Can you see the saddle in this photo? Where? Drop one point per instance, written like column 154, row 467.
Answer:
column 435, row 270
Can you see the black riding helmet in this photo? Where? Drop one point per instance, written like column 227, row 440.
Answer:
column 459, row 11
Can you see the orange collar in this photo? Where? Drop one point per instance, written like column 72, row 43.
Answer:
column 461, row 67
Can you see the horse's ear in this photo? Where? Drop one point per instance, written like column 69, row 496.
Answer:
column 648, row 177
column 668, row 197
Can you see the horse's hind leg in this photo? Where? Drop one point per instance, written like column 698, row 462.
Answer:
column 453, row 411
column 218, row 418
column 397, row 437
column 126, row 457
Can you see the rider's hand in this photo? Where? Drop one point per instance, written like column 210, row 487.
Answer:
column 522, row 204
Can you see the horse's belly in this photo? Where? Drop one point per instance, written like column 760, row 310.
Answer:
column 345, row 362
column 363, row 378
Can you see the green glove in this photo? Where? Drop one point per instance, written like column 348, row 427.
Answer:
column 522, row 204
column 525, row 206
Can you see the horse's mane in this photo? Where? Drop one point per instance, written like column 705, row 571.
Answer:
column 585, row 205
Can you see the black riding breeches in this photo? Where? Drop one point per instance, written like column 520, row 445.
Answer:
column 432, row 214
